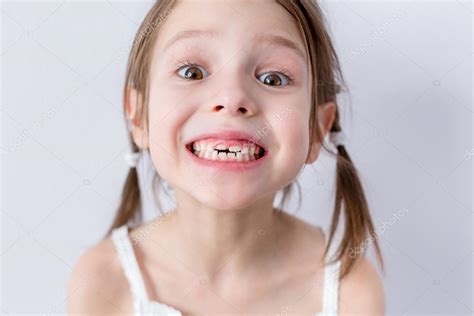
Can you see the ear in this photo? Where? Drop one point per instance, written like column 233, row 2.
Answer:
column 326, row 115
column 133, row 105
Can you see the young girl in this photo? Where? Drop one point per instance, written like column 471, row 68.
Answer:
column 231, row 99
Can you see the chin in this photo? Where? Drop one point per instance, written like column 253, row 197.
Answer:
column 225, row 200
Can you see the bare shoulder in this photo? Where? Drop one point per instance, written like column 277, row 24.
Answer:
column 97, row 284
column 304, row 229
column 361, row 291
column 310, row 239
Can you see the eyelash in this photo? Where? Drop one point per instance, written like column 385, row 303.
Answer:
column 187, row 63
column 283, row 72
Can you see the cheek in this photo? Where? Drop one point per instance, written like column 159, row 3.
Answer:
column 298, row 149
column 167, row 110
column 290, row 155
column 164, row 117
column 160, row 153
column 294, row 137
column 159, row 117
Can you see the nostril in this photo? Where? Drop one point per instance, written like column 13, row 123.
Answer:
column 243, row 110
column 217, row 108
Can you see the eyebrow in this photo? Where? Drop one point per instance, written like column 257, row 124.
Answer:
column 278, row 40
column 190, row 34
column 261, row 37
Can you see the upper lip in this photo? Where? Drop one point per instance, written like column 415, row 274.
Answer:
column 230, row 135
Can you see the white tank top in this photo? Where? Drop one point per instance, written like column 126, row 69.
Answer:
column 142, row 305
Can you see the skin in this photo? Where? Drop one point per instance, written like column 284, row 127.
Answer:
column 224, row 248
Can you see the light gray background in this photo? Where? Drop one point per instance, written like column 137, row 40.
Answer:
column 409, row 68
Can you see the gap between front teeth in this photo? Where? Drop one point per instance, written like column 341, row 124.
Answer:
column 237, row 153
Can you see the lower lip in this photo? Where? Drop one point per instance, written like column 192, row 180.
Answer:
column 228, row 165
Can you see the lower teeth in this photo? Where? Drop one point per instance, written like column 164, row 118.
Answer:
column 220, row 156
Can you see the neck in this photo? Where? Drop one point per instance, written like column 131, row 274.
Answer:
column 216, row 243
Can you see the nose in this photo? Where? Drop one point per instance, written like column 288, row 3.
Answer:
column 231, row 109
column 234, row 97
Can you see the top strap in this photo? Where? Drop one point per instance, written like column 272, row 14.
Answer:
column 129, row 262
column 331, row 288
column 331, row 284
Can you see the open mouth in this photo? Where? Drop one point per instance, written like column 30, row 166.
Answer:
column 226, row 150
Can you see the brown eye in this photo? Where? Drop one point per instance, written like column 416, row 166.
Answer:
column 191, row 72
column 274, row 79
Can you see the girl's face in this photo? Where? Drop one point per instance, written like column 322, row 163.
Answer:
column 249, row 73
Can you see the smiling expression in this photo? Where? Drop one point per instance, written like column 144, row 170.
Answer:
column 235, row 74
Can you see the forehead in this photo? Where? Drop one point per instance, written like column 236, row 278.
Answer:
column 245, row 22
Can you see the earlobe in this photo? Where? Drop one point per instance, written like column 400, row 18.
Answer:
column 314, row 153
column 326, row 115
column 133, row 102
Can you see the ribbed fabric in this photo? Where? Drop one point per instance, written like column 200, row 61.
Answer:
column 143, row 306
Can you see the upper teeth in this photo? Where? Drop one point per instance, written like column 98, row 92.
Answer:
column 244, row 149
column 209, row 150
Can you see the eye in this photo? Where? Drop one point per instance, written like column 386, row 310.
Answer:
column 191, row 71
column 276, row 79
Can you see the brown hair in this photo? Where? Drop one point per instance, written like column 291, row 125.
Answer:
column 327, row 75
